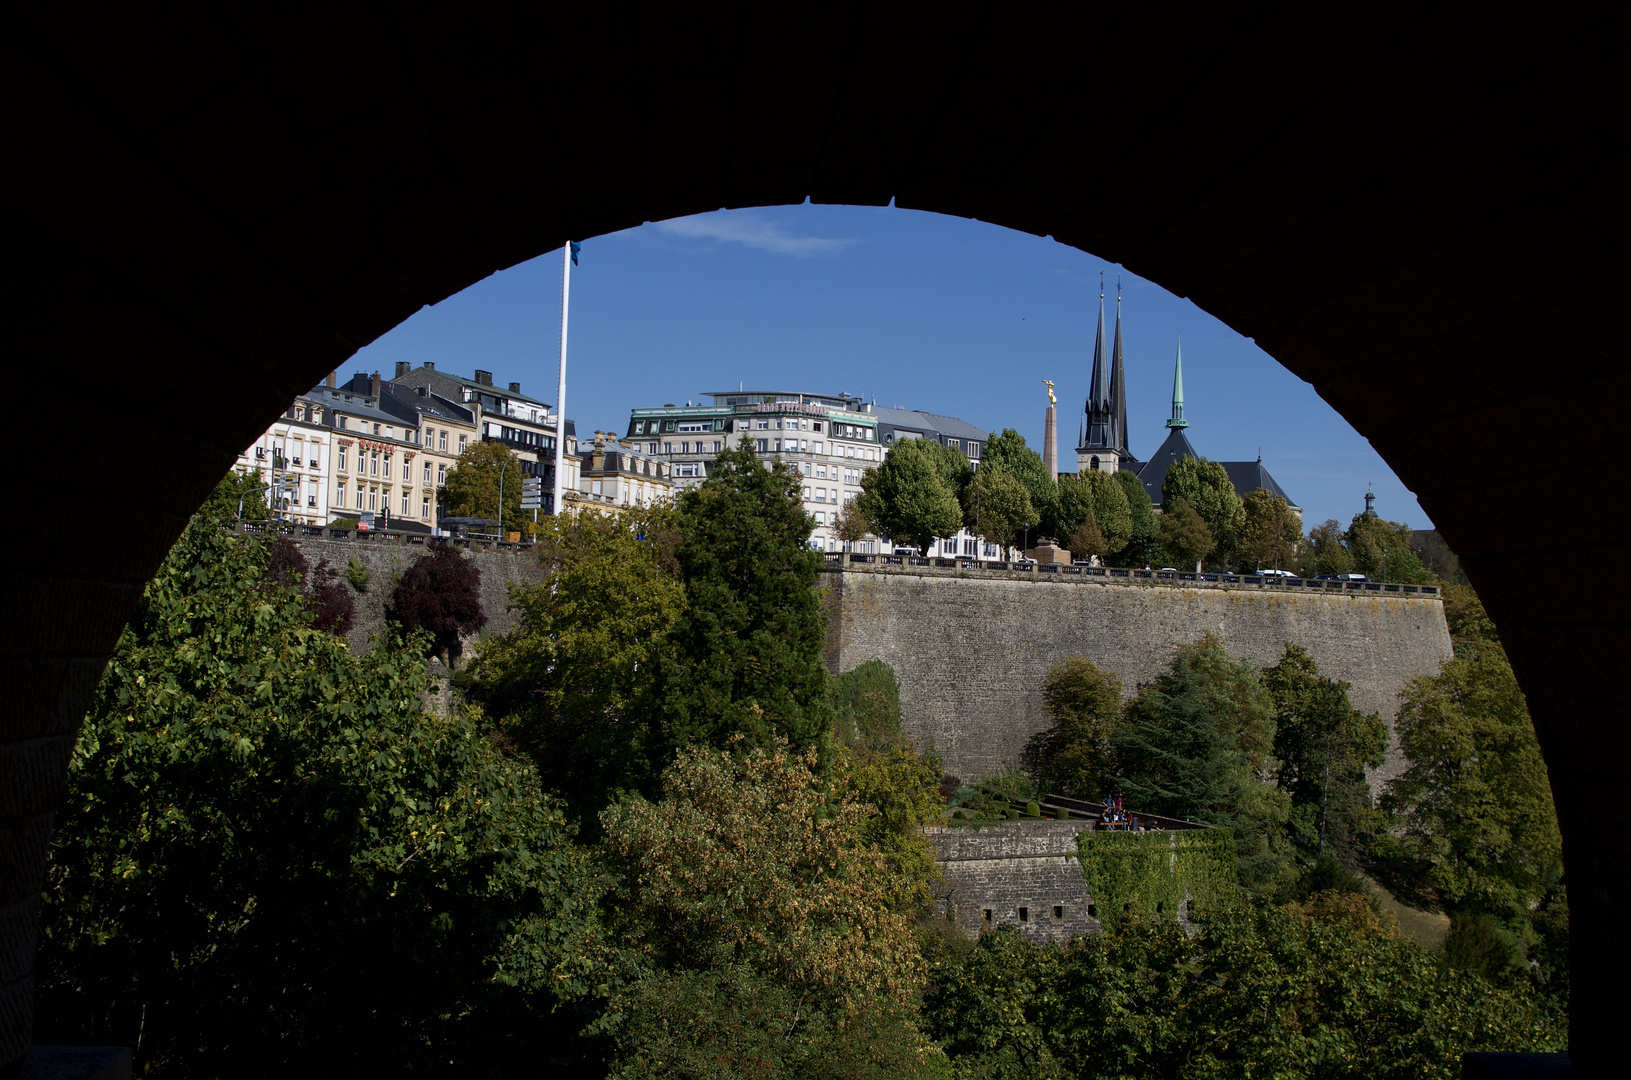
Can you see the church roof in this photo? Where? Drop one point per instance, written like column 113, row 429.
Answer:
column 1246, row 476
column 1153, row 473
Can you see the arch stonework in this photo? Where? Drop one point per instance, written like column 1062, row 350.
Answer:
column 1417, row 215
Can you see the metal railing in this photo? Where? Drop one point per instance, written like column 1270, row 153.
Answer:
column 885, row 563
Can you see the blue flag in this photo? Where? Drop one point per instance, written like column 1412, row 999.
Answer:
column 576, row 247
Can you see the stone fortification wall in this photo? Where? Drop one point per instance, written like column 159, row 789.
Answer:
column 385, row 559
column 972, row 652
column 1024, row 872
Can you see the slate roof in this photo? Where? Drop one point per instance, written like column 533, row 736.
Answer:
column 1246, row 476
column 928, row 423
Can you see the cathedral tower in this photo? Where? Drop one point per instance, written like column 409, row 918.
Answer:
column 1103, row 438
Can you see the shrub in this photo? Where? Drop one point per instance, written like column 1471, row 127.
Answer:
column 440, row 593
column 332, row 605
column 357, row 574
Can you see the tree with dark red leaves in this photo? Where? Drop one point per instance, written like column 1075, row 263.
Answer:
column 441, row 593
column 330, row 599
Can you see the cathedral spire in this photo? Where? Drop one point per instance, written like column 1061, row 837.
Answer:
column 1177, row 420
column 1118, row 388
column 1096, row 421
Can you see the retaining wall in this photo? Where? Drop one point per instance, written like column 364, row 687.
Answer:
column 994, row 874
column 972, row 652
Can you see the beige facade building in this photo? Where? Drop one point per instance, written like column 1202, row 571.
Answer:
column 613, row 476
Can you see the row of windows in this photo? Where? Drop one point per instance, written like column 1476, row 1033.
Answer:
column 377, row 499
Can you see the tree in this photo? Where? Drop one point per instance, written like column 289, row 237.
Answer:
column 271, row 861
column 1075, row 757
column 746, row 659
column 440, row 594
column 1093, row 497
column 1197, row 743
column 575, row 683
column 473, row 486
column 998, row 506
column 1475, row 805
column 1008, row 452
column 1323, row 745
column 852, row 524
column 1209, row 490
column 330, row 602
column 908, row 496
column 1146, row 531
column 866, row 706
column 1325, row 552
column 1185, row 538
column 1471, row 628
column 1381, row 550
column 760, row 926
column 1086, row 541
column 1269, row 530
column 239, row 496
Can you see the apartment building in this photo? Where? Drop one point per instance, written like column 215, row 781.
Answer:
column 524, row 424
column 293, row 457
column 830, row 439
column 614, row 476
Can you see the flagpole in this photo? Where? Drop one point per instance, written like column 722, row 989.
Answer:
column 560, row 389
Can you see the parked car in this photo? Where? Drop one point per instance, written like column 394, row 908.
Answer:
column 1275, row 573
column 1342, row 577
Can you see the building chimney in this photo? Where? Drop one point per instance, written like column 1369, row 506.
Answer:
column 429, row 366
column 373, row 385
column 515, row 388
column 333, row 379
column 484, row 378
column 402, row 368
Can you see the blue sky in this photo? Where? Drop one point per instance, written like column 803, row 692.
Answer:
column 919, row 310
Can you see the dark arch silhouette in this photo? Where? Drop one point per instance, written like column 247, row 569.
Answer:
column 1420, row 216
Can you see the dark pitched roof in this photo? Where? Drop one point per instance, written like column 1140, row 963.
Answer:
column 1153, row 473
column 1248, row 476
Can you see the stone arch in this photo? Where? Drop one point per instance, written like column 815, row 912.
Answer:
column 207, row 225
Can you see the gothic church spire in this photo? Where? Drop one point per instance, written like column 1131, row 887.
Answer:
column 1118, row 388
column 1177, row 420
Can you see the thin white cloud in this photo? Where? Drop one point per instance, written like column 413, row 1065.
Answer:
column 754, row 231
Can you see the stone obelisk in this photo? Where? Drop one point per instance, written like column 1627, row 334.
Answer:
column 1050, row 435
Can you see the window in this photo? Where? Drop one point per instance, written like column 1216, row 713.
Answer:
column 427, row 472
column 404, row 502
column 651, row 448
column 762, row 425
column 955, row 444
column 867, row 433
column 991, row 551
column 968, row 547
column 668, row 448
column 974, row 451
column 594, row 487
column 807, row 468
column 441, row 475
column 376, row 429
column 695, row 425
column 821, row 518
column 804, row 445
column 691, row 468
column 343, row 422
column 832, row 494
column 1094, row 464
column 342, row 460
column 820, row 494
column 821, row 472
column 461, row 443
column 373, row 464
column 806, row 494
column 373, row 497
column 685, row 447
column 339, row 494
column 717, row 446
column 1024, row 914
column 1059, row 911
column 818, row 447
column 816, row 427
column 359, row 496
column 764, row 446
column 424, row 505
column 441, row 440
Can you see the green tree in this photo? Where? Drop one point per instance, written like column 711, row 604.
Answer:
column 1197, row 742
column 1471, row 628
column 746, row 657
column 998, row 507
column 1326, row 552
column 575, row 682
column 1146, row 531
column 1209, row 490
column 1008, row 452
column 1092, row 497
column 1381, row 550
column 1185, row 537
column 1475, row 805
column 1074, row 756
column 239, row 496
column 1324, row 989
column 908, row 496
column 271, row 860
column 1269, row 531
column 761, row 928
column 473, row 486
column 852, row 524
column 1323, row 745
column 866, row 705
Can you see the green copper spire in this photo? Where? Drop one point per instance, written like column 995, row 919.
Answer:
column 1178, row 420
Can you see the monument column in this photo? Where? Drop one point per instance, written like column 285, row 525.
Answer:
column 1050, row 435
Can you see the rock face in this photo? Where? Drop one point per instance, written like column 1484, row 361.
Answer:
column 972, row 647
column 1023, row 872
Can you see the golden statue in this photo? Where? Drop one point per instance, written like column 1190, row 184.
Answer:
column 1051, row 399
